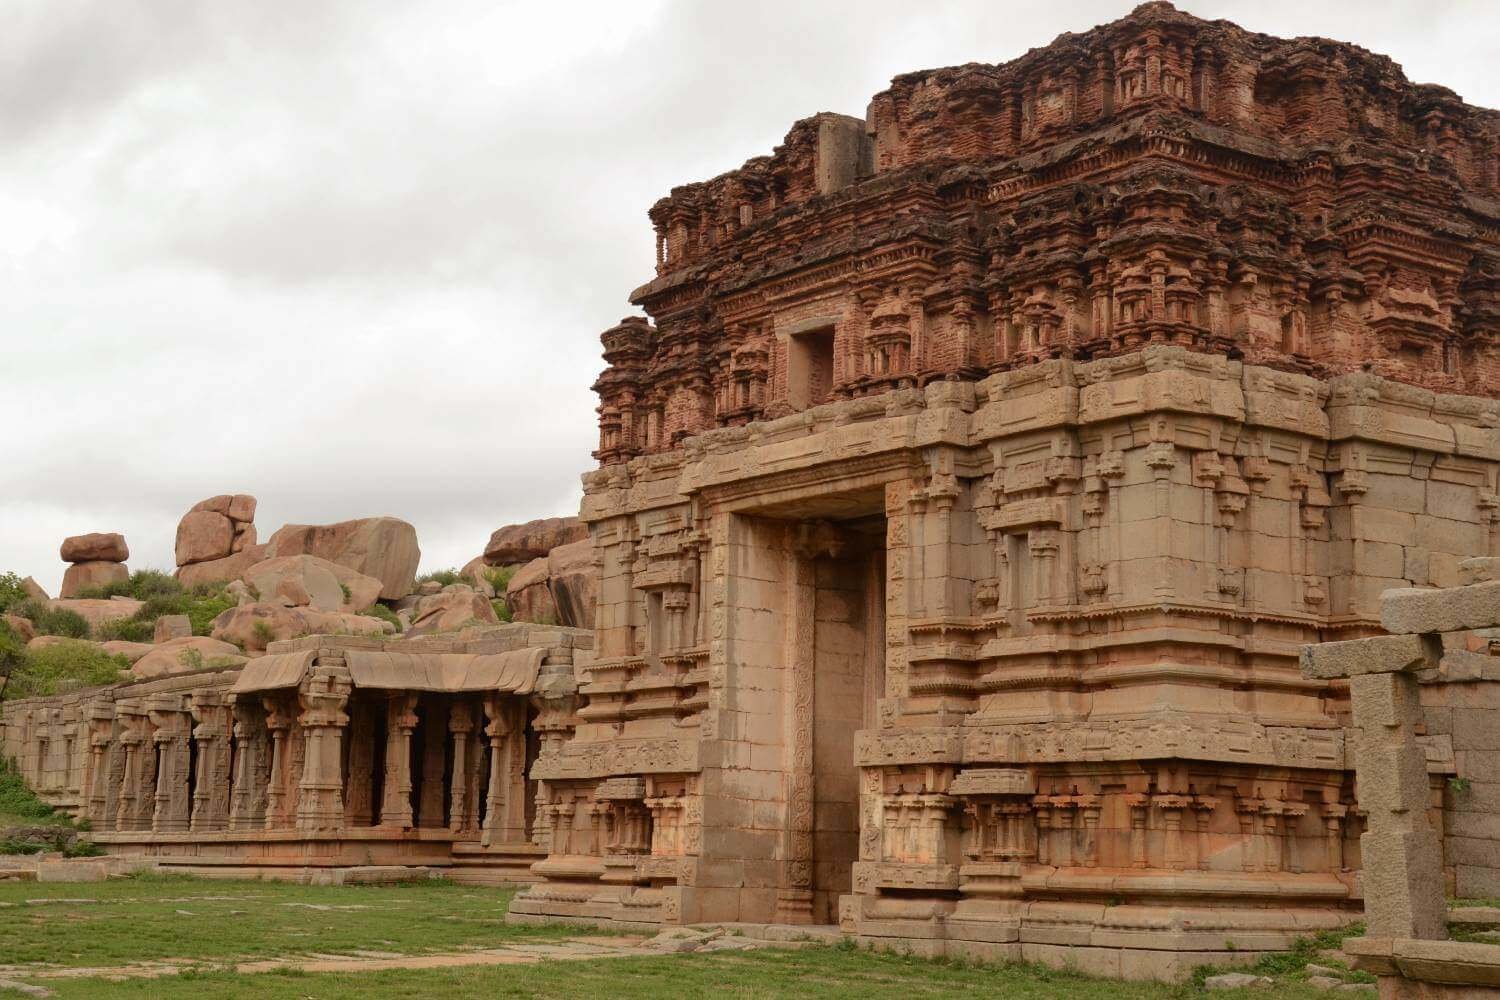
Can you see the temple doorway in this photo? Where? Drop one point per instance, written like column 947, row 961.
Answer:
column 832, row 614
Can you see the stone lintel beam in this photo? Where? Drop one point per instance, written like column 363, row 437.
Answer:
column 1452, row 963
column 1452, row 609
column 1380, row 654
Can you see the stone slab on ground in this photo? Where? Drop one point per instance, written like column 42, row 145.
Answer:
column 1237, row 981
column 76, row 870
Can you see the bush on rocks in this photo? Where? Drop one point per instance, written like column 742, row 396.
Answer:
column 164, row 595
column 12, row 592
column 63, row 667
column 52, row 621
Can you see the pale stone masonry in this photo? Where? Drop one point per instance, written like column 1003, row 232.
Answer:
column 1442, row 641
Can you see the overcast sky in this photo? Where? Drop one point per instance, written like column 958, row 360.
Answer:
column 354, row 257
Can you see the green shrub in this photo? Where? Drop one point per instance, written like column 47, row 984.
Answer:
column 502, row 609
column 52, row 621
column 63, row 667
column 442, row 576
column 11, row 591
column 202, row 603
column 264, row 634
column 126, row 630
column 12, row 651
column 202, row 611
column 16, row 800
column 499, row 577
column 142, row 585
column 385, row 614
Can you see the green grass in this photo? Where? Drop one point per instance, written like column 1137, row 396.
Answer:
column 138, row 919
column 807, row 973
column 208, row 925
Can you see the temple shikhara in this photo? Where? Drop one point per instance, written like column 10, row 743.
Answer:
column 964, row 497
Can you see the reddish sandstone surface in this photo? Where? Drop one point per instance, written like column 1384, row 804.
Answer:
column 1297, row 203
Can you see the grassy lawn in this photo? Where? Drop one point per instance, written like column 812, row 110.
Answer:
column 812, row 972
column 145, row 918
column 205, row 925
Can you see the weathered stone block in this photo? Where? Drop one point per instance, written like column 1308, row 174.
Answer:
column 1449, row 610
column 1377, row 654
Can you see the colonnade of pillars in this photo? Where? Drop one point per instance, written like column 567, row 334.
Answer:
column 322, row 757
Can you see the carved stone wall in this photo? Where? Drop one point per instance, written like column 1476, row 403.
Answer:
column 1148, row 357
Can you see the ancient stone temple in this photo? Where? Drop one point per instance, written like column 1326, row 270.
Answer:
column 325, row 754
column 977, row 475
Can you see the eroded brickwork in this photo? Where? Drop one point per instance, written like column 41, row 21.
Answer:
column 1295, row 203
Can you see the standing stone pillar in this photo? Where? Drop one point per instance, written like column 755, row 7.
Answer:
column 434, row 751
column 278, row 722
column 320, row 804
column 502, row 732
column 172, row 736
column 247, row 799
column 359, row 797
column 1400, row 852
column 211, row 788
column 401, row 720
column 1401, row 855
column 100, row 780
column 461, row 725
column 138, row 768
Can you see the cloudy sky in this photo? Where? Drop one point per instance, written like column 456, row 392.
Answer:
column 353, row 257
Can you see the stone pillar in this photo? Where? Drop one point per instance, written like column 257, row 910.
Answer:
column 320, row 802
column 401, row 720
column 211, row 788
column 101, row 730
column 501, row 809
column 434, row 753
column 1402, row 858
column 461, row 725
column 247, row 798
column 138, row 770
column 359, row 796
column 278, row 721
column 1401, row 855
column 172, row 805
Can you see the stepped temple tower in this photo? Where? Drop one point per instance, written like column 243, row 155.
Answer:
column 977, row 472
